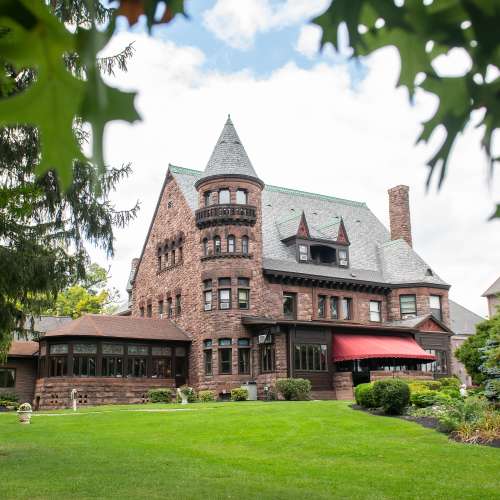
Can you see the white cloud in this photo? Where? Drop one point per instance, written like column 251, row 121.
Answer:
column 308, row 41
column 307, row 129
column 237, row 23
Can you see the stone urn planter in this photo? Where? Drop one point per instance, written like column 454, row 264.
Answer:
column 185, row 393
column 24, row 413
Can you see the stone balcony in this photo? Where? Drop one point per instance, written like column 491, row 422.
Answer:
column 215, row 215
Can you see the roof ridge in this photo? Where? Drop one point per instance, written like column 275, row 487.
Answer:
column 182, row 170
column 297, row 192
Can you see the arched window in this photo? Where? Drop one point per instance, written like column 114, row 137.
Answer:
column 205, row 246
column 244, row 245
column 231, row 244
column 217, row 246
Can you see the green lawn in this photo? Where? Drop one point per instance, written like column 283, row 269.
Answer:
column 238, row 450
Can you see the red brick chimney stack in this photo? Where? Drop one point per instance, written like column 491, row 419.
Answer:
column 399, row 213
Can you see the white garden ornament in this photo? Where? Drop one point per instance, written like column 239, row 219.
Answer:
column 24, row 413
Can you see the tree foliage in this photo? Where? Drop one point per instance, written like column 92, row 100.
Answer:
column 422, row 31
column 472, row 352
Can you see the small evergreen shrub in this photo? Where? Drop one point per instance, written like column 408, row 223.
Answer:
column 294, row 389
column 450, row 382
column 433, row 385
column 206, row 396
column 393, row 395
column 239, row 394
column 422, row 399
column 160, row 395
column 364, row 395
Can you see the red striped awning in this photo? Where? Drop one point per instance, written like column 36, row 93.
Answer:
column 347, row 346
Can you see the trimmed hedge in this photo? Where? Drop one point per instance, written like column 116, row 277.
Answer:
column 294, row 389
column 160, row 395
column 364, row 395
column 239, row 394
column 206, row 396
column 393, row 395
column 422, row 399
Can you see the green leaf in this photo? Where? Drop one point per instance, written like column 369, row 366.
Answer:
column 496, row 213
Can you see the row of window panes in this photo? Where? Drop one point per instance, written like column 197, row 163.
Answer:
column 230, row 245
column 163, row 260
column 310, row 357
column 339, row 256
column 116, row 349
column 7, row 377
column 224, row 294
column 267, row 357
column 161, row 306
column 345, row 307
column 408, row 306
column 223, row 197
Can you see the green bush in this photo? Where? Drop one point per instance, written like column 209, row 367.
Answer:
column 450, row 382
column 451, row 392
column 364, row 395
column 492, row 389
column 422, row 399
column 160, row 395
column 392, row 394
column 294, row 389
column 239, row 394
column 433, row 385
column 206, row 396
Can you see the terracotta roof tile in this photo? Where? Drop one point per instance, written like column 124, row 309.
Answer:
column 23, row 348
column 124, row 327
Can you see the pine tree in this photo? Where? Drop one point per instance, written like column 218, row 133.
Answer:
column 43, row 229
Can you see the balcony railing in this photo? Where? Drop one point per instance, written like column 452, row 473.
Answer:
column 215, row 215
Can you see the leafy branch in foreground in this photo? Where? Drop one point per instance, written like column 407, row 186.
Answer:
column 422, row 31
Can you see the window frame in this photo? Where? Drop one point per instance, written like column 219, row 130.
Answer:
column 321, row 307
column 4, row 380
column 348, row 311
column 334, row 300
column 178, row 305
column 244, row 357
column 439, row 310
column 231, row 243
column 217, row 245
column 378, row 311
column 225, row 351
column 245, row 244
column 224, row 190
column 310, row 357
column 267, row 358
column 407, row 315
column 293, row 297
column 245, row 194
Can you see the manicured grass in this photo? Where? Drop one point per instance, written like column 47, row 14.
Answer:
column 238, row 450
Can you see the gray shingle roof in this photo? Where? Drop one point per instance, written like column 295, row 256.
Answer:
column 229, row 156
column 493, row 289
column 463, row 321
column 372, row 254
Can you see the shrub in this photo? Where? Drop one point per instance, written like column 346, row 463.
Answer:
column 450, row 382
column 424, row 398
column 294, row 389
column 484, row 430
column 492, row 389
column 206, row 396
column 239, row 394
column 160, row 395
column 364, row 395
column 433, row 385
column 451, row 392
column 393, row 395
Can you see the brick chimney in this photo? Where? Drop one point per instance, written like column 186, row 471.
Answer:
column 399, row 213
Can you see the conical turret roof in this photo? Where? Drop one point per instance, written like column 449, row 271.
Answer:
column 229, row 158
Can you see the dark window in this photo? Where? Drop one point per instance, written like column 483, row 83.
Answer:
column 408, row 306
column 375, row 310
column 112, row 366
column 346, row 308
column 205, row 247
column 207, row 300
column 83, row 366
column 149, row 311
column 321, row 306
column 58, row 366
column 343, row 258
column 217, row 245
column 224, row 196
column 173, row 258
column 159, row 263
column 267, row 358
column 141, row 311
column 310, row 357
column 225, row 360
column 435, row 306
column 322, row 254
column 244, row 282
column 243, row 298
column 180, row 254
column 244, row 245
column 241, row 197
column 437, row 366
column 136, row 367
column 207, row 198
column 231, row 244
column 178, row 308
column 224, row 342
column 160, row 307
column 334, row 307
column 224, row 293
column 161, row 368
column 170, row 308
column 7, row 377
column 243, row 355
column 207, row 361
column 303, row 253
column 289, row 305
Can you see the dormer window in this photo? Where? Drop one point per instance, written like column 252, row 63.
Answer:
column 343, row 260
column 303, row 253
column 224, row 196
column 321, row 254
column 241, row 197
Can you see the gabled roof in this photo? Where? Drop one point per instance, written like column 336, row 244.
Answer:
column 21, row 349
column 463, row 321
column 419, row 322
column 229, row 157
column 123, row 327
column 494, row 289
column 42, row 324
column 373, row 256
